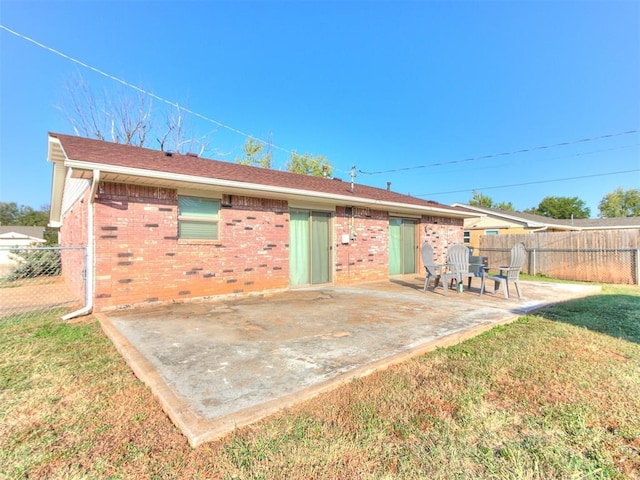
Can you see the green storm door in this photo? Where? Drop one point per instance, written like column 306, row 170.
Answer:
column 402, row 245
column 309, row 247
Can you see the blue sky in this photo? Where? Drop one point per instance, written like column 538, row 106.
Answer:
column 385, row 86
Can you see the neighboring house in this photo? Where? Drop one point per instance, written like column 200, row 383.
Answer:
column 500, row 222
column 165, row 227
column 16, row 236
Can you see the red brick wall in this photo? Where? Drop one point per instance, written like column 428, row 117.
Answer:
column 74, row 233
column 366, row 257
column 441, row 232
column 140, row 259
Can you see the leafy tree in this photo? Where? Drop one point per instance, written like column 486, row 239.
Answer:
column 34, row 218
column 563, row 207
column 507, row 206
column 253, row 154
column 480, row 200
column 12, row 214
column 9, row 213
column 308, row 164
column 620, row 203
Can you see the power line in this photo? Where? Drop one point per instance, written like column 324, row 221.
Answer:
column 531, row 183
column 141, row 90
column 247, row 135
column 504, row 154
column 551, row 159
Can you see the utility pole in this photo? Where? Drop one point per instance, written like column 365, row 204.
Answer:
column 353, row 175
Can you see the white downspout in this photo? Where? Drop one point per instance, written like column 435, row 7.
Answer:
column 89, row 280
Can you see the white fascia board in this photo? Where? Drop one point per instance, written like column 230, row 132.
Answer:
column 255, row 187
column 55, row 151
column 56, row 156
column 563, row 227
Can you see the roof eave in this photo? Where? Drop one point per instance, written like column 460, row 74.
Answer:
column 271, row 191
column 57, row 156
column 564, row 227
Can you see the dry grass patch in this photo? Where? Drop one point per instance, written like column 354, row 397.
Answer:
column 555, row 395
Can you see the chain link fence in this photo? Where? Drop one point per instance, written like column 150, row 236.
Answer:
column 603, row 265
column 34, row 280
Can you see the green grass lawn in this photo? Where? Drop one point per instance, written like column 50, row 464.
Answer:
column 552, row 395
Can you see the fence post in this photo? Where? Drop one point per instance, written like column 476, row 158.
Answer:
column 533, row 261
column 638, row 266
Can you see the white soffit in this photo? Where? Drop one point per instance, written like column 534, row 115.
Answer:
column 82, row 169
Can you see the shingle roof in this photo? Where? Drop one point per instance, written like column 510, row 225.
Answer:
column 118, row 155
column 619, row 222
column 578, row 223
column 35, row 232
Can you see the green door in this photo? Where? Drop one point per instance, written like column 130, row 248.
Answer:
column 403, row 233
column 309, row 247
column 320, row 258
column 395, row 246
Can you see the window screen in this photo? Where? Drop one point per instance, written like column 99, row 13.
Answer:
column 198, row 218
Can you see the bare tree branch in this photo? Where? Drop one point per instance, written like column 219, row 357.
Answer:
column 125, row 117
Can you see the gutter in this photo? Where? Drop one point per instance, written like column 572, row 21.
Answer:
column 253, row 187
column 89, row 256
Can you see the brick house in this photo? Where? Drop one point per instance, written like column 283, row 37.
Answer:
column 162, row 226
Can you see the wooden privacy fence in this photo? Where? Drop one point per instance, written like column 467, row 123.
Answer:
column 609, row 256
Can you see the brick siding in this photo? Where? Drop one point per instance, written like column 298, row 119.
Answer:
column 441, row 232
column 366, row 256
column 75, row 233
column 139, row 258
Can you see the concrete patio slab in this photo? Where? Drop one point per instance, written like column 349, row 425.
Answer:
column 220, row 364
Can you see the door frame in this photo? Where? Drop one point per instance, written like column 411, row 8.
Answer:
column 330, row 215
column 416, row 222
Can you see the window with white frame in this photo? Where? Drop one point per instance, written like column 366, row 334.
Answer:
column 198, row 218
column 491, row 232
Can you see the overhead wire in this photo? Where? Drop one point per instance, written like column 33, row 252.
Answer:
column 247, row 135
column 503, row 154
column 141, row 90
column 531, row 183
column 550, row 159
